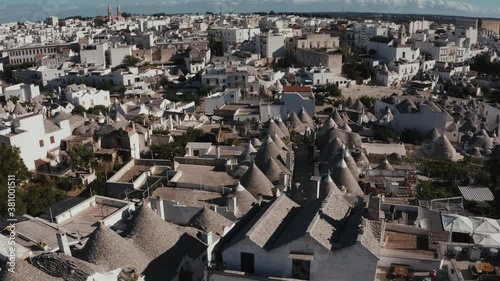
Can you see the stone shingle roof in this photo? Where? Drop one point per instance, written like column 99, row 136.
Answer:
column 273, row 128
column 267, row 150
column 283, row 127
column 150, row 233
column 295, row 123
column 305, row 118
column 256, row 142
column 328, row 186
column 337, row 118
column 279, row 143
column 345, row 179
column 331, row 149
column 107, row 248
column 207, row 220
column 264, row 229
column 256, row 182
column 272, row 170
column 26, row 272
column 244, row 200
column 66, row 267
column 329, row 124
column 385, row 165
column 349, row 139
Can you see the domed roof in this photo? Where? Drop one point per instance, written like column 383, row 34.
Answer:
column 207, row 221
column 343, row 177
column 328, row 186
column 385, row 165
column 244, row 200
column 305, row 118
column 107, row 248
column 256, row 182
column 150, row 233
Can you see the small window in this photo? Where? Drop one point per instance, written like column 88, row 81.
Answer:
column 301, row 269
column 52, row 140
column 40, row 142
column 247, row 262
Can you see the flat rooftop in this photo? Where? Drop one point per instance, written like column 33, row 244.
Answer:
column 187, row 196
column 35, row 231
column 410, row 243
column 86, row 221
column 134, row 172
column 202, row 175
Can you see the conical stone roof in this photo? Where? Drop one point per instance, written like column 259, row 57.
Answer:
column 283, row 127
column 25, row 272
column 272, row 170
column 385, row 165
column 279, row 143
column 343, row 177
column 269, row 150
column 329, row 124
column 328, row 186
column 295, row 122
column 246, row 155
column 256, row 142
column 150, row 233
column 256, row 182
column 273, row 128
column 305, row 118
column 207, row 221
column 107, row 248
column 331, row 149
column 65, row 267
column 244, row 200
column 337, row 118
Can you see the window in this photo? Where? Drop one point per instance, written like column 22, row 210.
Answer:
column 40, row 142
column 247, row 262
column 52, row 140
column 404, row 54
column 301, row 269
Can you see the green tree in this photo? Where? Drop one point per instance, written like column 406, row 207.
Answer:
column 11, row 164
column 81, row 156
column 78, row 109
column 40, row 196
column 98, row 109
column 130, row 61
column 331, row 90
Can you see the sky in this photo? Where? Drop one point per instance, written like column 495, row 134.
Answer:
column 21, row 10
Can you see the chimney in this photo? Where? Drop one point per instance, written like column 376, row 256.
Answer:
column 231, row 203
column 160, row 207
column 207, row 238
column 62, row 241
column 170, row 123
column 217, row 152
column 374, row 207
column 289, row 160
column 315, row 188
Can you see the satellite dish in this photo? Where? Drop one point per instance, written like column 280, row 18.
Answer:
column 424, row 223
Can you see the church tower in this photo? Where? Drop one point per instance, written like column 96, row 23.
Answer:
column 403, row 36
column 119, row 12
column 110, row 13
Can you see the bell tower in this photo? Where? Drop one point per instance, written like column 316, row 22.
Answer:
column 110, row 13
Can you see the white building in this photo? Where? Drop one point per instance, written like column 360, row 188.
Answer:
column 214, row 101
column 86, row 96
column 94, row 54
column 35, row 136
column 388, row 49
column 309, row 244
column 270, row 45
column 118, row 53
column 25, row 92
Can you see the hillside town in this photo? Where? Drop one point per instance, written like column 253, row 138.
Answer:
column 269, row 146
